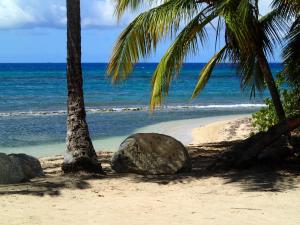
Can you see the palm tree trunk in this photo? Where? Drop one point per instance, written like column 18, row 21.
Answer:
column 264, row 65
column 247, row 153
column 80, row 154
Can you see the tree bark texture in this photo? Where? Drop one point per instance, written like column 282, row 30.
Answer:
column 264, row 65
column 80, row 153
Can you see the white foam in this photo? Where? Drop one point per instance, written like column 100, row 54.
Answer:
column 129, row 109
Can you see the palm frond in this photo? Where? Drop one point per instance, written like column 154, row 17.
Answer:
column 143, row 34
column 238, row 16
column 122, row 5
column 291, row 53
column 251, row 75
column 245, row 31
column 286, row 8
column 207, row 71
column 274, row 26
column 186, row 42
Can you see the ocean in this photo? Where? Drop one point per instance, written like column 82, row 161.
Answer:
column 33, row 103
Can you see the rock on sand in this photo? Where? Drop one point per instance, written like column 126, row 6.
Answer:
column 151, row 153
column 16, row 168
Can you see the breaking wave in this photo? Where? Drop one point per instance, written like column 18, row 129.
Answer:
column 131, row 109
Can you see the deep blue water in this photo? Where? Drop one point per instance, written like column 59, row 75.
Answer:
column 33, row 100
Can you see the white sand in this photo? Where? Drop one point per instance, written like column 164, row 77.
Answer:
column 181, row 129
column 220, row 199
column 129, row 200
column 226, row 130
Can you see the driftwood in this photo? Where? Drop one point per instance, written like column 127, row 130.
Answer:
column 257, row 147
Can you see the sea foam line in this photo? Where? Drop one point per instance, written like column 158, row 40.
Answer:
column 216, row 106
column 130, row 109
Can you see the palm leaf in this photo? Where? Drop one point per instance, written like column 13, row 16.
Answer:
column 251, row 75
column 207, row 71
column 291, row 53
column 286, row 8
column 142, row 35
column 274, row 26
column 186, row 42
column 122, row 5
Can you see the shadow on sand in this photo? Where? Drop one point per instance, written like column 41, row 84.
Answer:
column 49, row 185
column 263, row 178
column 279, row 179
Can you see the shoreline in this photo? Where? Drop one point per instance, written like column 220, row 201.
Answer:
column 199, row 197
column 225, row 130
column 182, row 130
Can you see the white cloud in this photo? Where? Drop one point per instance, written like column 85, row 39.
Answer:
column 31, row 13
column 52, row 13
column 11, row 14
column 96, row 13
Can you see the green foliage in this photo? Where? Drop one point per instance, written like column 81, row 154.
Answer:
column 172, row 60
column 142, row 35
column 248, row 38
column 290, row 95
column 206, row 72
column 291, row 53
column 288, row 80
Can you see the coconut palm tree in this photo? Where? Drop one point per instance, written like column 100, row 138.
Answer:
column 248, row 41
column 80, row 154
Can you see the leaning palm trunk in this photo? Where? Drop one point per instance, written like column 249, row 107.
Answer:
column 264, row 65
column 80, row 153
column 249, row 151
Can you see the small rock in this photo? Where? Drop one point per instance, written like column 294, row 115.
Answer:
column 16, row 168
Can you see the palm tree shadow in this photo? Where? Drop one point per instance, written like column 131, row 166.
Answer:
column 261, row 178
column 248, row 180
column 49, row 185
column 264, row 180
column 253, row 180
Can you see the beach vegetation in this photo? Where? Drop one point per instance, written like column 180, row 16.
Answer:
column 288, row 80
column 290, row 95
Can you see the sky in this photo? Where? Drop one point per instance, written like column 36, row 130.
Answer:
column 35, row 31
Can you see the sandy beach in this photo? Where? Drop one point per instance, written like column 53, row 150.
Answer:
column 126, row 112
column 200, row 197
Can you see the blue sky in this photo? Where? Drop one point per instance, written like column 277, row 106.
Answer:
column 35, row 31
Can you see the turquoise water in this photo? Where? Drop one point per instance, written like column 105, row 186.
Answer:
column 33, row 101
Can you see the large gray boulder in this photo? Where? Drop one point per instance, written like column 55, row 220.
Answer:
column 151, row 153
column 16, row 168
